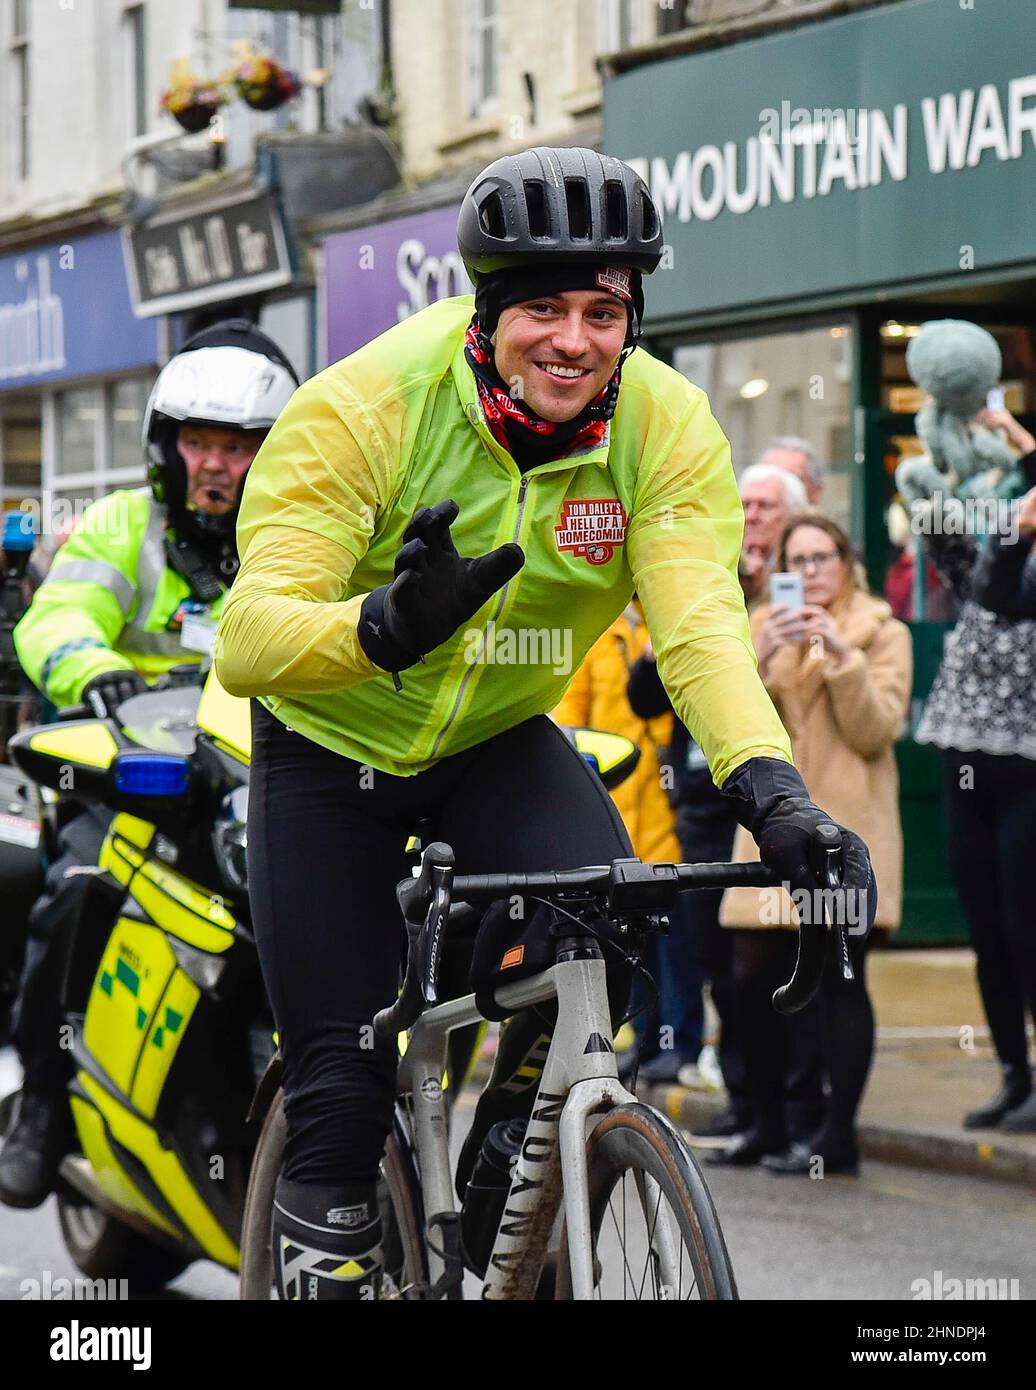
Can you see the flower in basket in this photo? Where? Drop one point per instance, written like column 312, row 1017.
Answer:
column 263, row 83
column 192, row 100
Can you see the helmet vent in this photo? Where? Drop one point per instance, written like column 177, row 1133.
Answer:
column 578, row 198
column 615, row 226
column 491, row 216
column 536, row 203
column 649, row 216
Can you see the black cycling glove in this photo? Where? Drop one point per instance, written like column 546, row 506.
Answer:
column 770, row 799
column 106, row 692
column 434, row 591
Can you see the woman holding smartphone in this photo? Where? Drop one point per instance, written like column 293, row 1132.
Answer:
column 838, row 667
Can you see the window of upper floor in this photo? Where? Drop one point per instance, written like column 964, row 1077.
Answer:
column 19, row 126
column 618, row 24
column 482, row 46
column 673, row 15
column 138, row 105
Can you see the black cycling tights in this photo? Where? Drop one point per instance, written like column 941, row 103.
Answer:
column 326, row 848
column 991, row 836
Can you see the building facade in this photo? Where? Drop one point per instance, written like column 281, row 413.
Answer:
column 824, row 194
column 102, row 193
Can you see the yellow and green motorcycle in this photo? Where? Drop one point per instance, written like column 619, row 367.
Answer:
column 170, row 1031
column 166, row 1017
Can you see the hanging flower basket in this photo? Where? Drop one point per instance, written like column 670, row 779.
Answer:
column 190, row 100
column 195, row 116
column 263, row 84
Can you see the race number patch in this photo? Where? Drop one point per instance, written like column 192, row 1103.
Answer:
column 592, row 528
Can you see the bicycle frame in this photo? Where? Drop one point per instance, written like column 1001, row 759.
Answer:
column 579, row 1080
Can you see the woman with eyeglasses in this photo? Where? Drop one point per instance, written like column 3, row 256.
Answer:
column 839, row 671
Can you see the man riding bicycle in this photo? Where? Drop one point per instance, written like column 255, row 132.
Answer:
column 133, row 592
column 458, row 478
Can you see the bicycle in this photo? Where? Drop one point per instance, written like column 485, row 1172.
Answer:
column 588, row 1137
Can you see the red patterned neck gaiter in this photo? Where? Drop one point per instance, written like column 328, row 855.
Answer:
column 528, row 438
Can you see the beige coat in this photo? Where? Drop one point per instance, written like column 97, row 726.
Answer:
column 843, row 725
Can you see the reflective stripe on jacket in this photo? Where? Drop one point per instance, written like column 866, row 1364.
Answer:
column 397, row 426
column 107, row 603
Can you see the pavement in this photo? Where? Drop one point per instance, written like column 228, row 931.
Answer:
column 933, row 1061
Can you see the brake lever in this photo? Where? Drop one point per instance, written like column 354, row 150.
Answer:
column 815, row 938
column 826, row 862
column 421, row 900
column 433, row 932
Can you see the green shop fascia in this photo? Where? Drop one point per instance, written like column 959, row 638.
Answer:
column 826, row 189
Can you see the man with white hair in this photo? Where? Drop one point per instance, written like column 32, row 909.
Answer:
column 799, row 457
column 769, row 496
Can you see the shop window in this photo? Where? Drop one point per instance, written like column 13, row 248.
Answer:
column 786, row 384
column 79, row 418
column 20, row 446
column 97, row 435
column 128, row 399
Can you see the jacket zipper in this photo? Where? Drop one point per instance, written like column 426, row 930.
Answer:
column 459, row 698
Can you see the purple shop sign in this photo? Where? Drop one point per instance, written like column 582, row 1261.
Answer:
column 377, row 276
column 65, row 312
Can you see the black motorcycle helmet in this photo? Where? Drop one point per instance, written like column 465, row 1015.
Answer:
column 230, row 375
column 557, row 207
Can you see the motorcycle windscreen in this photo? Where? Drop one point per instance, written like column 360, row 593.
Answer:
column 226, row 718
column 69, row 757
column 612, row 756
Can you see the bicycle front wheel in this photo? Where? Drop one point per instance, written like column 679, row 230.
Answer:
column 654, row 1232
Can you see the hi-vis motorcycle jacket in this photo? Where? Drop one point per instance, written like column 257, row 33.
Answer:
column 111, row 602
column 397, row 426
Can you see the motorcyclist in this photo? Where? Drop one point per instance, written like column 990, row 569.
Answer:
column 535, row 437
column 135, row 591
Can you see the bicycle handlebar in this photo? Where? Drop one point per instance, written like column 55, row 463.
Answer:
column 626, row 885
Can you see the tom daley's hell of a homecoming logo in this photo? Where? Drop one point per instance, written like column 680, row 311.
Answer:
column 592, row 529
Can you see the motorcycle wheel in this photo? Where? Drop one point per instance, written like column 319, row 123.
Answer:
column 104, row 1248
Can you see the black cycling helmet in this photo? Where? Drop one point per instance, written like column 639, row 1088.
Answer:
column 558, row 205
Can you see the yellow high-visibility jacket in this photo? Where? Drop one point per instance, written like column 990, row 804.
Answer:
column 109, row 603
column 597, row 698
column 397, row 426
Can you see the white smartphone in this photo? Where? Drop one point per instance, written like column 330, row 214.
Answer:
column 786, row 589
column 995, row 399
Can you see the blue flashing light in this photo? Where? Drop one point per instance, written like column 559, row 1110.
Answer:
column 151, row 774
column 19, row 531
column 591, row 758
